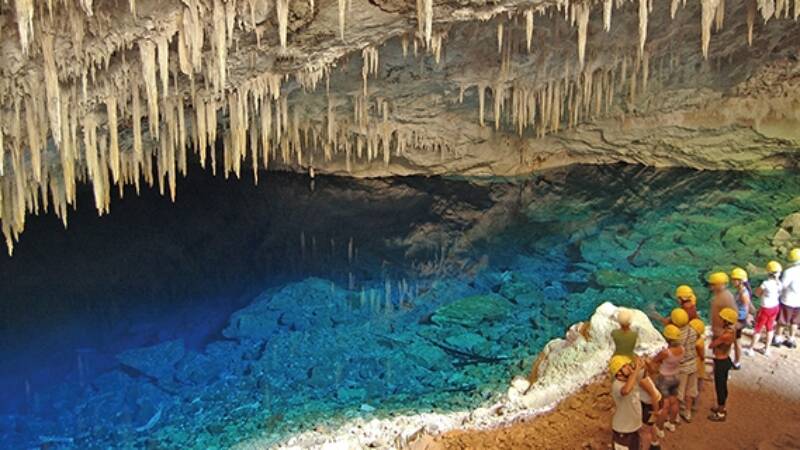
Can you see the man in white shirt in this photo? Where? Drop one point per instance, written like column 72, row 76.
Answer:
column 789, row 317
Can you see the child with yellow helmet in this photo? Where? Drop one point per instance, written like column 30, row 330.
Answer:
column 687, row 300
column 687, row 369
column 743, row 297
column 770, row 294
column 721, row 345
column 700, row 328
column 667, row 381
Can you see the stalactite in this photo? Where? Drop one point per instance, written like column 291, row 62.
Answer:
column 708, row 14
column 767, row 8
column 751, row 18
column 220, row 45
column 499, row 37
column 673, row 8
column 162, row 45
column 607, row 6
column 282, row 11
column 148, row 61
column 52, row 88
column 529, row 28
column 24, row 15
column 111, row 114
column 582, row 17
column 643, row 25
column 342, row 11
column 481, row 103
column 719, row 17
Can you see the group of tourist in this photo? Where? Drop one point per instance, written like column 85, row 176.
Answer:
column 654, row 393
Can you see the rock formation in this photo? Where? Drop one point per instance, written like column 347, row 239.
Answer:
column 114, row 94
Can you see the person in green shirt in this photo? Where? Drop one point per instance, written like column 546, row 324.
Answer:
column 624, row 337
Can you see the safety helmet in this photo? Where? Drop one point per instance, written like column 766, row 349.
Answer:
column 774, row 267
column 672, row 333
column 698, row 326
column 794, row 255
column 679, row 317
column 718, row 278
column 684, row 291
column 729, row 315
column 617, row 363
column 739, row 274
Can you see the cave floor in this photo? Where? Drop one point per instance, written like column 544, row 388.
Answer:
column 763, row 410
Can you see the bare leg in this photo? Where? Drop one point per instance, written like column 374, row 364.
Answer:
column 770, row 335
column 737, row 349
column 756, row 338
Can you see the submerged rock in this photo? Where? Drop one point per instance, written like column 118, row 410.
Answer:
column 471, row 311
column 157, row 361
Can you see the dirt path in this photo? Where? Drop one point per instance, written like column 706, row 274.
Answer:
column 764, row 414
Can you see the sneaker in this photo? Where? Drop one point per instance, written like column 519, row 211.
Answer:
column 669, row 426
column 659, row 432
column 737, row 366
column 764, row 351
column 777, row 340
column 790, row 344
column 718, row 416
column 686, row 416
column 747, row 351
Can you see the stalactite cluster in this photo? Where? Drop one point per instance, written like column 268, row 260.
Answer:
column 116, row 109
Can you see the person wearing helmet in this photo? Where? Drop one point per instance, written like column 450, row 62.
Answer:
column 721, row 298
column 686, row 299
column 770, row 293
column 667, row 381
column 721, row 345
column 743, row 297
column 700, row 328
column 789, row 316
column 687, row 368
column 624, row 337
column 626, row 373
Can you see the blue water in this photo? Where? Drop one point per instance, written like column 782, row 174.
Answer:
column 251, row 312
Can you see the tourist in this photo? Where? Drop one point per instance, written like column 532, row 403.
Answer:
column 651, row 399
column 743, row 300
column 722, row 298
column 667, row 380
column 686, row 300
column 624, row 337
column 770, row 293
column 687, row 368
column 789, row 316
column 700, row 328
column 627, row 420
column 721, row 345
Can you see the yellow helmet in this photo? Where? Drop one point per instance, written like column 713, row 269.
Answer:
column 739, row 274
column 617, row 363
column 794, row 255
column 672, row 333
column 729, row 315
column 679, row 317
column 718, row 278
column 684, row 291
column 774, row 267
column 698, row 326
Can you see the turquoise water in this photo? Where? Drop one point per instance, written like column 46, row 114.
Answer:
column 246, row 312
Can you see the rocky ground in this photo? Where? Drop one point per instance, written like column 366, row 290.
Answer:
column 764, row 409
